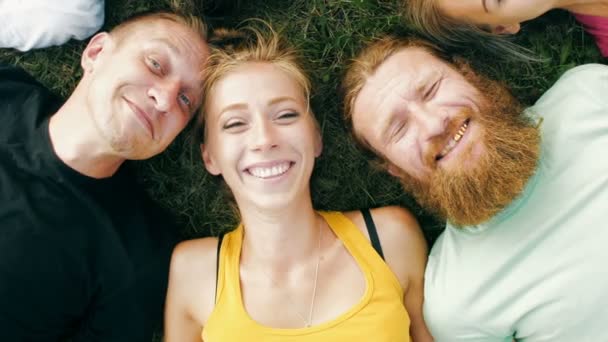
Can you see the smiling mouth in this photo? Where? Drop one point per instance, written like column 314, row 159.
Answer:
column 453, row 141
column 272, row 171
column 143, row 117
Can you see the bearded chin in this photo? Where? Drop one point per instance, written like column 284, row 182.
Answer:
column 471, row 195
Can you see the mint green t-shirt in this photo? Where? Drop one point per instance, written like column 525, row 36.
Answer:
column 538, row 271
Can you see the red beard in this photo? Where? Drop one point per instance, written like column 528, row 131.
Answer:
column 473, row 195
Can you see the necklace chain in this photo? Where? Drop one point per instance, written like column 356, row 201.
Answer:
column 307, row 322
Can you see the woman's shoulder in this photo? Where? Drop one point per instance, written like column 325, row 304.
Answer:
column 390, row 221
column 193, row 263
column 195, row 252
column 403, row 244
column 192, row 276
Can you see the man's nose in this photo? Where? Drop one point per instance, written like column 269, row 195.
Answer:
column 164, row 93
column 264, row 136
column 431, row 121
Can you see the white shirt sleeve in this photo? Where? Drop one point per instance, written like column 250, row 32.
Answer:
column 31, row 24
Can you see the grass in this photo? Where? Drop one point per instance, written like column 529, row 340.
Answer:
column 329, row 33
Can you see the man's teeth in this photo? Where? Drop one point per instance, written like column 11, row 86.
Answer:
column 267, row 172
column 460, row 132
column 452, row 143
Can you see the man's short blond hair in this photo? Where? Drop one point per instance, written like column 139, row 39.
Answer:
column 191, row 22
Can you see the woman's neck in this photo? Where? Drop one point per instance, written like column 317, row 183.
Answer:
column 281, row 237
column 589, row 7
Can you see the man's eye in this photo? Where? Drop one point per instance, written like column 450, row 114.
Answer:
column 185, row 100
column 399, row 130
column 154, row 64
column 430, row 92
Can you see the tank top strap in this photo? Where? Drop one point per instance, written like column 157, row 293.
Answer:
column 229, row 256
column 361, row 249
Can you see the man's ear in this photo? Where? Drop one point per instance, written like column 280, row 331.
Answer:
column 209, row 162
column 94, row 50
column 506, row 29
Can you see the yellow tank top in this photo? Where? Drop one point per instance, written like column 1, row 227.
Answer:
column 379, row 315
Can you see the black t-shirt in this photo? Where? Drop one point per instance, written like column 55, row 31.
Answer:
column 80, row 258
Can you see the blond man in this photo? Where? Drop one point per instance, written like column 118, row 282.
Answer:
column 84, row 254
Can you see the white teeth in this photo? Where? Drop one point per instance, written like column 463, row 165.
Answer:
column 267, row 172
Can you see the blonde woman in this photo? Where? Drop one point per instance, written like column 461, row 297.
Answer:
column 287, row 272
column 460, row 21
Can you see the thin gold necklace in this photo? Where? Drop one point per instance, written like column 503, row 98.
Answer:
column 307, row 322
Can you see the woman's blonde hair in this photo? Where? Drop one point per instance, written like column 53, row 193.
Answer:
column 255, row 42
column 426, row 18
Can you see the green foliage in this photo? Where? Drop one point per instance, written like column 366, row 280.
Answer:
column 329, row 33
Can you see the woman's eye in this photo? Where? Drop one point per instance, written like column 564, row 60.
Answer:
column 233, row 124
column 288, row 115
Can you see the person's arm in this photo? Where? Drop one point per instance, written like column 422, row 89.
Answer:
column 191, row 291
column 405, row 251
column 41, row 286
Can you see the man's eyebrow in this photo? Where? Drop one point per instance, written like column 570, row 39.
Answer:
column 485, row 6
column 168, row 44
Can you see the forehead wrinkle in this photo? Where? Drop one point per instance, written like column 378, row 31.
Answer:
column 384, row 90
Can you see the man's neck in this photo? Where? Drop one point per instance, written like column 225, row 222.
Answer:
column 77, row 142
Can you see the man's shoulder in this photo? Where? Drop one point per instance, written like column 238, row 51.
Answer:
column 25, row 103
column 584, row 81
column 586, row 72
column 578, row 93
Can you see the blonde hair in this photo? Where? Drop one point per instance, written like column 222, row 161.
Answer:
column 191, row 22
column 426, row 17
column 366, row 64
column 250, row 44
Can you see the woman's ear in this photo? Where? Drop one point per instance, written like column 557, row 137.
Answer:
column 318, row 144
column 506, row 29
column 210, row 164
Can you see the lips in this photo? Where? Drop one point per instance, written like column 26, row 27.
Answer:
column 144, row 117
column 453, row 141
column 269, row 170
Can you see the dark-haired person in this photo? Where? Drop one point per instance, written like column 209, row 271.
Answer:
column 287, row 272
column 450, row 21
column 524, row 191
column 84, row 254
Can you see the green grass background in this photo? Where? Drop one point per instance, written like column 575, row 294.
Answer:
column 328, row 33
